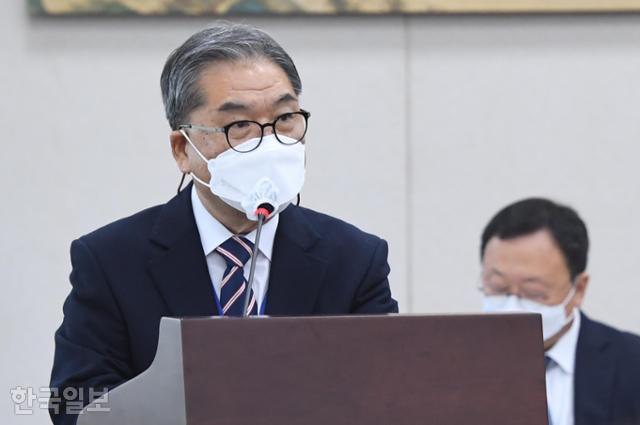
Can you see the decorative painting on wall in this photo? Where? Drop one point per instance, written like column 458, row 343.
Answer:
column 322, row 7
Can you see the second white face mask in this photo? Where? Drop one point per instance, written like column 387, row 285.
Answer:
column 273, row 173
column 554, row 317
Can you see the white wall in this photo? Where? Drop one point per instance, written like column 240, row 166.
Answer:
column 422, row 128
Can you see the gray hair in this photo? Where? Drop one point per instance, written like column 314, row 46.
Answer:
column 220, row 42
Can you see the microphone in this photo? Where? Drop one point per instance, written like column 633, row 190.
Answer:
column 263, row 212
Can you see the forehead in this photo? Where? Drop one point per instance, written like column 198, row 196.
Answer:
column 252, row 82
column 533, row 255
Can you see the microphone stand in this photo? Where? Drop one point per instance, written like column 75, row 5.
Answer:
column 263, row 213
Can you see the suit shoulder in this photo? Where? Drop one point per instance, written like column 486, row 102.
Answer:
column 327, row 225
column 626, row 345
column 629, row 343
column 136, row 227
column 623, row 338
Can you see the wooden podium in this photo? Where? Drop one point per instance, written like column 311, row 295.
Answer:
column 346, row 370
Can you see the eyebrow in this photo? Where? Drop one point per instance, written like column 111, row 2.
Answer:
column 534, row 279
column 232, row 105
column 496, row 272
column 285, row 98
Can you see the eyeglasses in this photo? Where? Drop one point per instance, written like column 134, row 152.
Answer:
column 491, row 289
column 531, row 289
column 245, row 136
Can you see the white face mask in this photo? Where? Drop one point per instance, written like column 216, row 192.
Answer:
column 273, row 173
column 553, row 316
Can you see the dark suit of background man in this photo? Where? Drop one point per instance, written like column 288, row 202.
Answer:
column 534, row 258
column 231, row 93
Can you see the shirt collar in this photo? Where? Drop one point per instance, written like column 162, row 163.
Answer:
column 563, row 352
column 213, row 233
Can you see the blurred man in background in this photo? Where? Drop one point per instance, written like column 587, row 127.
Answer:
column 534, row 259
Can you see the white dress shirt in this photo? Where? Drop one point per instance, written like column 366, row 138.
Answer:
column 560, row 375
column 213, row 234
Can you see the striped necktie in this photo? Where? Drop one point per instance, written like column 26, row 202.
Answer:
column 236, row 252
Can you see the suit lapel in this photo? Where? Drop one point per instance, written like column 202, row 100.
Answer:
column 297, row 272
column 179, row 269
column 594, row 373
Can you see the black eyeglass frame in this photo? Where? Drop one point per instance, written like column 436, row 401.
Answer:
column 225, row 129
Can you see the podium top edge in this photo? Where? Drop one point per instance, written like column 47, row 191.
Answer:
column 392, row 316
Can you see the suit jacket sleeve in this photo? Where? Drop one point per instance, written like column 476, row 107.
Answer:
column 91, row 353
column 374, row 294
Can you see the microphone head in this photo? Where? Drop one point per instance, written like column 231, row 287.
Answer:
column 265, row 209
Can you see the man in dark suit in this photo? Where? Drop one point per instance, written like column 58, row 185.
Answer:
column 231, row 98
column 534, row 258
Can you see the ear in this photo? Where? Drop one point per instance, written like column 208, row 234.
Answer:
column 581, row 283
column 179, row 151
